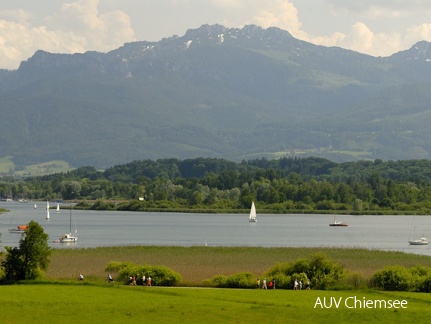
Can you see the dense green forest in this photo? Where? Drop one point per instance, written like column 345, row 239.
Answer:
column 208, row 184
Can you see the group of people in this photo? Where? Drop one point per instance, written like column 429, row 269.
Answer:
column 146, row 281
column 271, row 284
column 298, row 285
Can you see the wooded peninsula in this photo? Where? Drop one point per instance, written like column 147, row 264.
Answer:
column 285, row 185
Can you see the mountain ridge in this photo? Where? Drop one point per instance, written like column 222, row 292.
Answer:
column 217, row 92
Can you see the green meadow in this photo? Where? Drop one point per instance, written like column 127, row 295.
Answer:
column 83, row 303
column 60, row 298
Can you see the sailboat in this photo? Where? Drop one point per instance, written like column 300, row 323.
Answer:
column 68, row 237
column 58, row 207
column 337, row 223
column 417, row 241
column 19, row 228
column 47, row 209
column 252, row 217
column 35, row 206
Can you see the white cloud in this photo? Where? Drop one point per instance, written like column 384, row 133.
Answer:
column 418, row 33
column 361, row 37
column 76, row 27
column 282, row 14
column 81, row 25
column 375, row 8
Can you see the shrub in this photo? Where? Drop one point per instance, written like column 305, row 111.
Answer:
column 424, row 285
column 238, row 280
column 160, row 275
column 394, row 278
column 322, row 272
column 241, row 280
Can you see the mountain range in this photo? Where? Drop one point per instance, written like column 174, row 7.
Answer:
column 233, row 93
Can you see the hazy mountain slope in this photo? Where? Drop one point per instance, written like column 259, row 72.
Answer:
column 216, row 92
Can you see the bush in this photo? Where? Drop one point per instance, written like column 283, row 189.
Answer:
column 160, row 275
column 424, row 285
column 239, row 280
column 393, row 278
column 322, row 272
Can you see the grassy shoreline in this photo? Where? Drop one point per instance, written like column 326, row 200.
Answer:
column 198, row 263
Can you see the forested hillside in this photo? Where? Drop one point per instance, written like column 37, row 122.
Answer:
column 283, row 185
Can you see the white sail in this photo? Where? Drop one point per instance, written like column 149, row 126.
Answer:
column 58, row 207
column 47, row 210
column 252, row 217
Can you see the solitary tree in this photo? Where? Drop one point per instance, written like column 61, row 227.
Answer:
column 32, row 255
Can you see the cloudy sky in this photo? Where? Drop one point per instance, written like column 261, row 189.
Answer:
column 375, row 27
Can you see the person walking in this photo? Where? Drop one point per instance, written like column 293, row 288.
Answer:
column 149, row 281
column 264, row 284
column 273, row 283
column 295, row 285
column 307, row 285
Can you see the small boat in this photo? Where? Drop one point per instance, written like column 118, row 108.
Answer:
column 252, row 218
column 19, row 228
column 58, row 207
column 68, row 237
column 420, row 241
column 337, row 223
column 35, row 206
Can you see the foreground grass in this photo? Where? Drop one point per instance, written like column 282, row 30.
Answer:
column 56, row 303
column 196, row 264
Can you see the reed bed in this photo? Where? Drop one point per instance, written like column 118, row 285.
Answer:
column 196, row 264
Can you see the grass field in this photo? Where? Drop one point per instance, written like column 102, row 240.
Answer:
column 61, row 298
column 57, row 303
column 7, row 166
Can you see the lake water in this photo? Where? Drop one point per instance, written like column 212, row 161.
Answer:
column 115, row 228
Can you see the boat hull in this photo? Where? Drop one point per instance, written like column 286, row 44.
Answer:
column 68, row 238
column 14, row 230
column 418, row 242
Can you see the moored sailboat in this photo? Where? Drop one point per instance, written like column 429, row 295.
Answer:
column 337, row 223
column 68, row 237
column 417, row 241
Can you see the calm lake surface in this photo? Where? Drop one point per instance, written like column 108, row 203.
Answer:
column 114, row 228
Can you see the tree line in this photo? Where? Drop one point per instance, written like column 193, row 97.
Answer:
column 285, row 184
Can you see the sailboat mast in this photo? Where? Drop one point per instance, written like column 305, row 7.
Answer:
column 70, row 220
